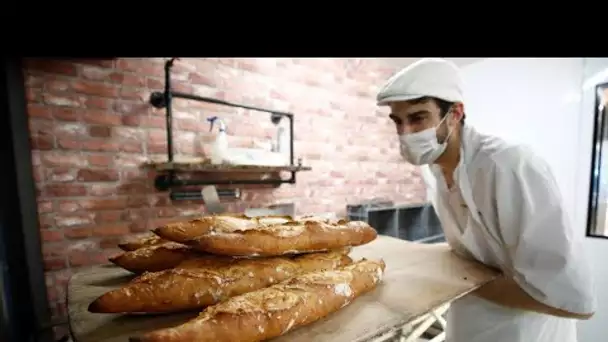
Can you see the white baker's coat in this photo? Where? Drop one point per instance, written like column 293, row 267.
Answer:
column 512, row 218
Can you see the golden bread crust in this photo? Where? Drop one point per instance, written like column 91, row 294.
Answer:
column 292, row 237
column 275, row 310
column 189, row 288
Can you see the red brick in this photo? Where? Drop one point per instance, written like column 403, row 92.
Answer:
column 64, row 190
column 78, row 233
column 51, row 66
column 156, row 84
column 132, row 107
column 132, row 147
column 74, row 219
column 127, row 79
column 100, row 159
column 110, row 242
column 98, row 131
column 104, row 203
column 99, row 103
column 111, row 229
column 101, row 118
column 102, row 189
column 68, row 206
column 95, row 72
column 97, row 175
column 108, row 216
column 45, row 207
column 57, row 86
column 39, row 111
column 95, row 88
column 62, row 159
column 52, row 293
column 44, row 142
column 166, row 212
column 51, row 235
column 102, row 62
column 137, row 201
column 80, row 258
column 134, row 188
column 46, row 220
column 54, row 264
column 135, row 94
column 33, row 81
column 67, row 114
column 65, row 100
column 60, row 175
column 100, row 146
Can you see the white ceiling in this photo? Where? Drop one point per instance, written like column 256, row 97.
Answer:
column 402, row 62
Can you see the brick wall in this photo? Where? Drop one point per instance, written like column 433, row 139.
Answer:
column 92, row 127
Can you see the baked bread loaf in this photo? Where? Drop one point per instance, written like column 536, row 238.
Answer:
column 213, row 262
column 154, row 258
column 185, row 231
column 189, row 288
column 273, row 311
column 288, row 238
column 138, row 243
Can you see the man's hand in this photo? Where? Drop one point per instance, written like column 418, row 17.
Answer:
column 505, row 291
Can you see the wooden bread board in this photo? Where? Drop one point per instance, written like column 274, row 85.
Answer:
column 418, row 279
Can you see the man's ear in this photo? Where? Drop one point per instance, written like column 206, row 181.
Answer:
column 457, row 112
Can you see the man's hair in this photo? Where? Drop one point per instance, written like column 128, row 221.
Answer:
column 444, row 106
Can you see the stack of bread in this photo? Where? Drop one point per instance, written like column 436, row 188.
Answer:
column 254, row 278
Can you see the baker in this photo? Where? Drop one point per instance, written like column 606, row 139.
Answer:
column 498, row 203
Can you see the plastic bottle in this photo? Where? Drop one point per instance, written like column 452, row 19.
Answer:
column 220, row 145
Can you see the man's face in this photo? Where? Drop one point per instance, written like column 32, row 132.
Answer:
column 412, row 117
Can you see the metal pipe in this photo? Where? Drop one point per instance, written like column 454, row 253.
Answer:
column 168, row 111
column 225, row 103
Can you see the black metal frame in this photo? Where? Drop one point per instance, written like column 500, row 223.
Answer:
column 165, row 100
column 25, row 314
column 596, row 158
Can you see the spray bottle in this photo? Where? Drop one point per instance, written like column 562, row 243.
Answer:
column 220, row 145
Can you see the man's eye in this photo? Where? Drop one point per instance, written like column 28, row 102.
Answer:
column 414, row 119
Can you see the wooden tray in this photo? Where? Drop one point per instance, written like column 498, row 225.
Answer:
column 418, row 279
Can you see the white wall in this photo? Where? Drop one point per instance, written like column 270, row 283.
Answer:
column 542, row 103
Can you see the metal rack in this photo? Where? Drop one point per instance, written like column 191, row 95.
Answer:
column 169, row 179
column 414, row 222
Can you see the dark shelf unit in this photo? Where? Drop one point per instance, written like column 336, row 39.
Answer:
column 413, row 222
column 167, row 179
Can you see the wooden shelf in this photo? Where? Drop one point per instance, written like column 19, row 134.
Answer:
column 223, row 174
column 223, row 168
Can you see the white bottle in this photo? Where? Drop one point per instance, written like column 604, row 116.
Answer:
column 283, row 141
column 219, row 149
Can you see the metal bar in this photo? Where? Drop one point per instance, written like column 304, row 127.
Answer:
column 430, row 238
column 190, row 182
column 226, row 103
column 596, row 158
column 25, row 310
column 196, row 195
column 292, row 180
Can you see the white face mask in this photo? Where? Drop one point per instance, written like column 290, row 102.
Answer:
column 422, row 147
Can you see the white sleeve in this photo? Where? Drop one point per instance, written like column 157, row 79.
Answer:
column 546, row 254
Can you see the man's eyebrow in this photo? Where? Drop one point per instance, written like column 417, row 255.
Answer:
column 418, row 112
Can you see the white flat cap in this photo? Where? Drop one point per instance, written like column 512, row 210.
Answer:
column 434, row 77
